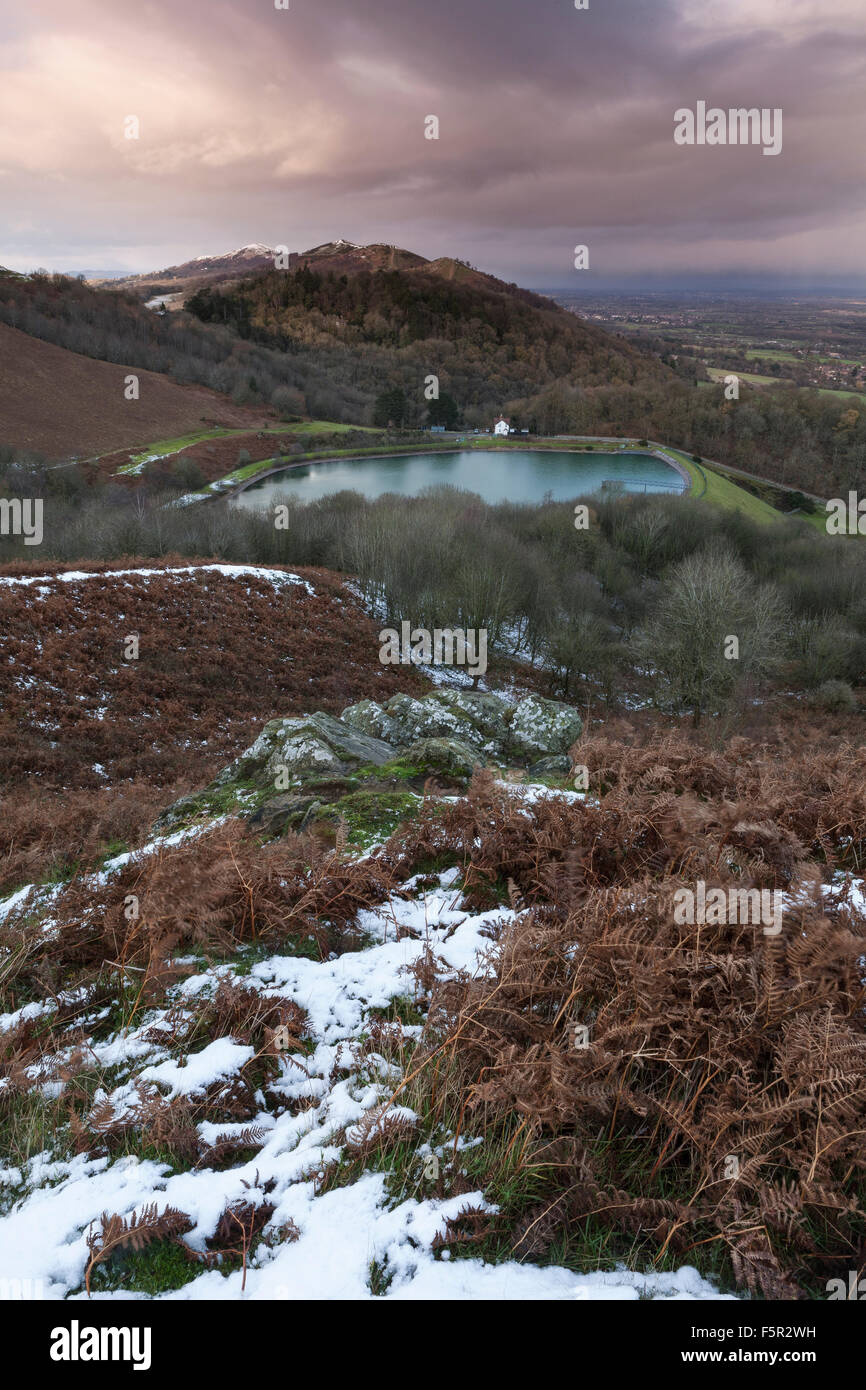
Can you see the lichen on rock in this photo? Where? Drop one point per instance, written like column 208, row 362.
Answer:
column 445, row 733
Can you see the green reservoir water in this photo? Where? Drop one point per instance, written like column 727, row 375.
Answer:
column 504, row 475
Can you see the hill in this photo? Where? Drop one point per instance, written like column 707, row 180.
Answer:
column 454, row 1029
column 197, row 271
column 63, row 404
column 346, row 257
column 73, row 711
column 114, row 326
column 353, row 334
column 382, row 320
column 346, row 326
column 340, row 256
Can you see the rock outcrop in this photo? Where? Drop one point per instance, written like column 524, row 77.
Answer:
column 299, row 765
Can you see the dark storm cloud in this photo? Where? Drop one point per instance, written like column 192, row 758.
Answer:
column 555, row 128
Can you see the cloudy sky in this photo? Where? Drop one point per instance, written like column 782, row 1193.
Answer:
column 297, row 126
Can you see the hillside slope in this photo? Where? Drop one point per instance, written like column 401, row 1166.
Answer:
column 345, row 327
column 93, row 743
column 63, row 404
column 489, row 343
column 477, row 1055
column 340, row 256
column 197, row 271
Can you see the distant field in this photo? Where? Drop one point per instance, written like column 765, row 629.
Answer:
column 846, row 395
column 771, row 355
column 774, row 355
column 719, row 374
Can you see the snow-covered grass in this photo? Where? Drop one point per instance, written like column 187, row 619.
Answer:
column 276, row 577
column 349, row 1239
column 384, row 1069
column 35, row 896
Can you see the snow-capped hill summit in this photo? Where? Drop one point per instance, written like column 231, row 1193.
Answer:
column 190, row 275
column 329, row 247
column 344, row 255
column 340, row 256
column 254, row 251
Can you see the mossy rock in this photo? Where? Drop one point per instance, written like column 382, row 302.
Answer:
column 369, row 718
column 535, row 727
column 484, row 714
column 414, row 720
column 447, row 756
column 401, row 770
column 557, row 765
column 542, row 728
column 313, row 745
column 448, row 732
column 215, row 800
column 471, row 717
column 370, row 816
column 279, row 813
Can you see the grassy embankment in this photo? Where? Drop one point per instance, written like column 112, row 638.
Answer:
column 164, row 448
column 712, row 484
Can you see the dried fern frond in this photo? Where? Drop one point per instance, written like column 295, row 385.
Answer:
column 136, row 1231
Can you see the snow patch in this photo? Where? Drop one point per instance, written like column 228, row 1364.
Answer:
column 276, row 577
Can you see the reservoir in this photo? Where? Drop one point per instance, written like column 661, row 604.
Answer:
column 504, row 475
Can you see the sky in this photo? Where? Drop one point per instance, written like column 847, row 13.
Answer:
column 297, row 126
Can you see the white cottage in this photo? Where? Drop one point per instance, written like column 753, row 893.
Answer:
column 501, row 426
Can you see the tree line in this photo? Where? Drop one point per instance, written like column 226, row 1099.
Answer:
column 643, row 600
column 351, row 352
